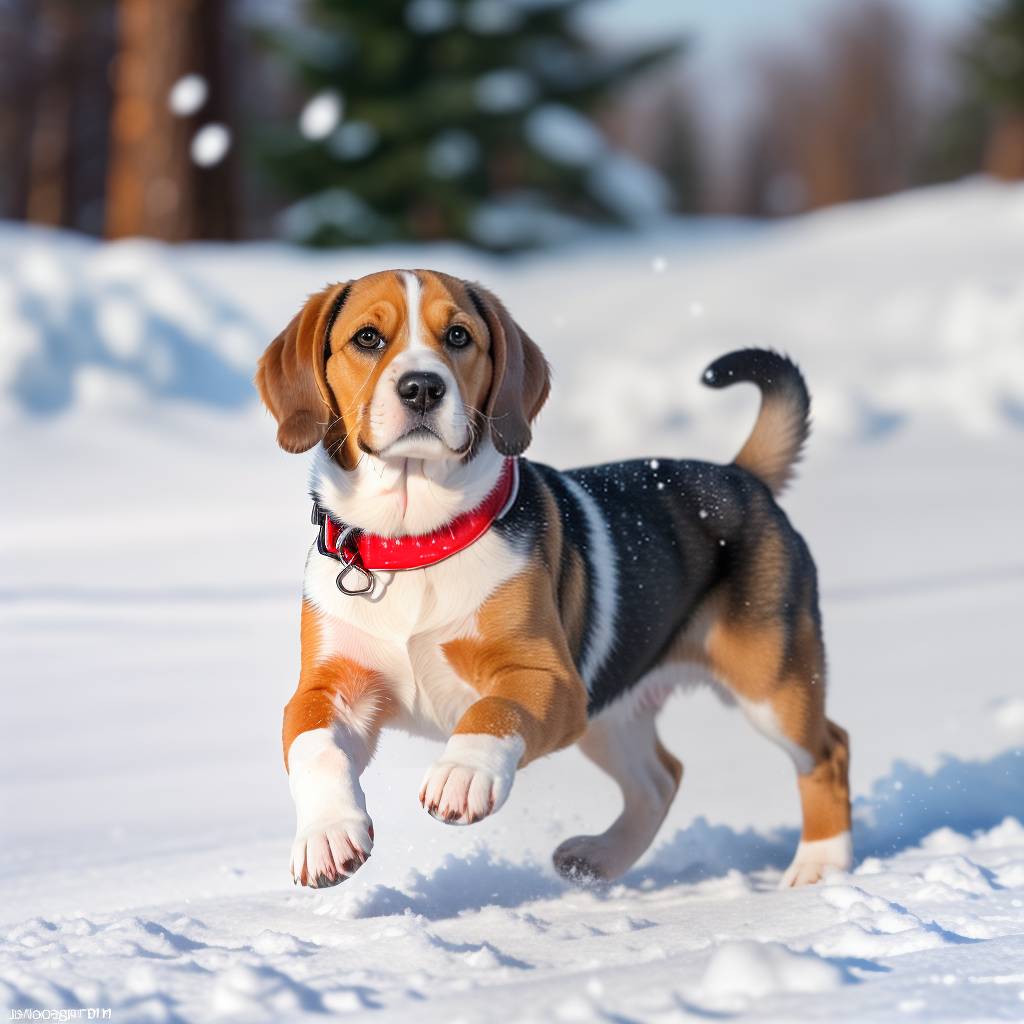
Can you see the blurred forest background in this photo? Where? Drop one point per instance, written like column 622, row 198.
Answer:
column 505, row 123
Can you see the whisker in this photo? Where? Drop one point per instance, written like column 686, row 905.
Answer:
column 359, row 392
column 355, row 398
column 480, row 413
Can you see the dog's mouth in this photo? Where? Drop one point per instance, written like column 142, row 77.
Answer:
column 422, row 431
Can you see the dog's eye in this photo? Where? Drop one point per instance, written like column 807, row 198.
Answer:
column 457, row 336
column 368, row 337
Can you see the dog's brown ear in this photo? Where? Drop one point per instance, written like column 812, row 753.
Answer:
column 521, row 376
column 291, row 376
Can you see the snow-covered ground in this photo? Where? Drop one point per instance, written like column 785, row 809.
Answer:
column 151, row 548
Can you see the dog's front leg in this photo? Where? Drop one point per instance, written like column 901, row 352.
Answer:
column 533, row 703
column 331, row 727
column 334, row 834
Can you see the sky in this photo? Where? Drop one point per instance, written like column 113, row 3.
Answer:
column 724, row 33
column 721, row 27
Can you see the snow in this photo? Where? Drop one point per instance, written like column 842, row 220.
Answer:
column 151, row 544
column 750, row 970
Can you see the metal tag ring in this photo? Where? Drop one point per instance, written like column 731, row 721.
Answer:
column 367, row 575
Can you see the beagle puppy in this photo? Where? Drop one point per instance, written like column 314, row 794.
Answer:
column 460, row 592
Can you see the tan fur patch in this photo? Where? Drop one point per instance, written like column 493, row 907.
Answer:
column 333, row 687
column 825, row 792
column 748, row 657
column 775, row 442
column 289, row 376
column 377, row 301
column 445, row 303
column 521, row 665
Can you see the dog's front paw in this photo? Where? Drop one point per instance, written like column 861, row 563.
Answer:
column 815, row 859
column 327, row 852
column 472, row 778
column 458, row 794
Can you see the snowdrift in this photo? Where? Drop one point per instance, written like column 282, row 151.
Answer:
column 909, row 307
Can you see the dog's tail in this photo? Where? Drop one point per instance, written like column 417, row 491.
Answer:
column 783, row 423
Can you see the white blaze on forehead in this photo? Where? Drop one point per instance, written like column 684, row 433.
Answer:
column 389, row 420
column 414, row 293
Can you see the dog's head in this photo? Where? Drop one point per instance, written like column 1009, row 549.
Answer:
column 403, row 364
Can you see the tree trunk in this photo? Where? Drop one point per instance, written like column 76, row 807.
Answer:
column 1004, row 154
column 19, row 86
column 154, row 188
column 64, row 32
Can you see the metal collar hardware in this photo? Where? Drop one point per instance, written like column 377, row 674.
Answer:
column 362, row 554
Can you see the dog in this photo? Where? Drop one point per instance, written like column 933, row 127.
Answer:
column 460, row 592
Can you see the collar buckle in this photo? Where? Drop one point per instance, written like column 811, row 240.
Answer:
column 364, row 580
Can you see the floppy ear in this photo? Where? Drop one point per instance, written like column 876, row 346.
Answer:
column 521, row 376
column 291, row 376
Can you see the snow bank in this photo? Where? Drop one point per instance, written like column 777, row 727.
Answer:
column 902, row 309
column 112, row 324
column 961, row 796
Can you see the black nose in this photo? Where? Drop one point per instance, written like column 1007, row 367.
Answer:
column 420, row 391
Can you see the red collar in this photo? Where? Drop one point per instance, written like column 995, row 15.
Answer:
column 369, row 552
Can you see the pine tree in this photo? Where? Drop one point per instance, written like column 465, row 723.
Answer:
column 983, row 126
column 996, row 62
column 451, row 119
column 995, row 56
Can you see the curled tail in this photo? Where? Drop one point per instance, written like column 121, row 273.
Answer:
column 782, row 425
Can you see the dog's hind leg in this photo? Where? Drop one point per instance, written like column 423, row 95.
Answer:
column 623, row 741
column 778, row 677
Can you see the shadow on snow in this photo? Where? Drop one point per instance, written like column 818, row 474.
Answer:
column 903, row 809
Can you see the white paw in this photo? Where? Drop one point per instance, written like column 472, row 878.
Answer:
column 334, row 835
column 327, row 852
column 457, row 794
column 472, row 778
column 816, row 859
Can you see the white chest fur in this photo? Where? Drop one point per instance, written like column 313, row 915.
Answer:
column 400, row 633
column 398, row 630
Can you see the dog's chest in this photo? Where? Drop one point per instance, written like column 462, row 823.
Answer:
column 401, row 633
